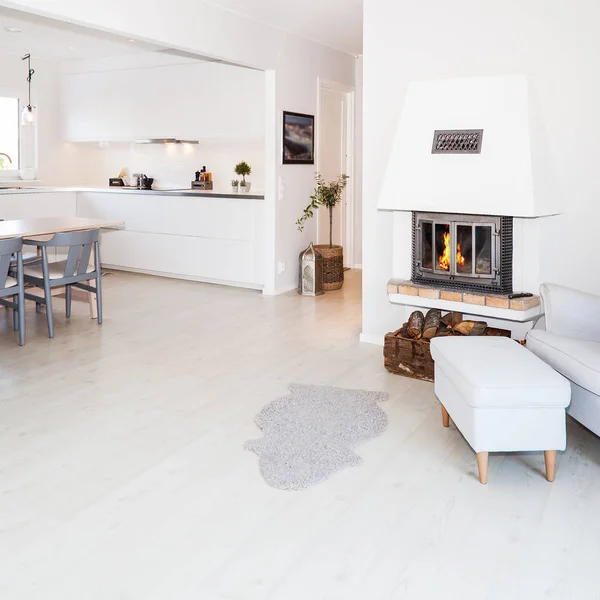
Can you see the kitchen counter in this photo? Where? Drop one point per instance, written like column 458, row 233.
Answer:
column 203, row 236
column 125, row 190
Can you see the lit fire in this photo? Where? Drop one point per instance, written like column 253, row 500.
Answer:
column 444, row 261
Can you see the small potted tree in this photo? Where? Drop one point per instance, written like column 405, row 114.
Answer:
column 242, row 169
column 327, row 194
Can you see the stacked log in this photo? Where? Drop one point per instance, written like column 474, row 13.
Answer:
column 433, row 324
column 406, row 350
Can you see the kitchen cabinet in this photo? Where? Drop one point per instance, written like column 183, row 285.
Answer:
column 185, row 101
column 217, row 240
column 97, row 106
column 24, row 205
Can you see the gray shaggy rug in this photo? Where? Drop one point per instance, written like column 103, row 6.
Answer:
column 310, row 433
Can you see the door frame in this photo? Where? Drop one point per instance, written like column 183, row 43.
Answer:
column 347, row 207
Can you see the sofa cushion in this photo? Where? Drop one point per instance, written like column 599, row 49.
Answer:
column 579, row 360
column 497, row 372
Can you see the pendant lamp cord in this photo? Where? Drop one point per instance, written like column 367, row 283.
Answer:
column 30, row 72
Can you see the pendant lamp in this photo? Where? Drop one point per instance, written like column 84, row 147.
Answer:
column 28, row 114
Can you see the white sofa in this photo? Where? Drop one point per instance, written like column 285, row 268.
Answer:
column 571, row 345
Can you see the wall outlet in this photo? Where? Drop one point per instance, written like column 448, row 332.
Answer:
column 280, row 267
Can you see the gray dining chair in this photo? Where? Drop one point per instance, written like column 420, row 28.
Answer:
column 75, row 271
column 11, row 288
column 28, row 257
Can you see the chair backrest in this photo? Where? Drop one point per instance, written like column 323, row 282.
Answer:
column 7, row 249
column 80, row 244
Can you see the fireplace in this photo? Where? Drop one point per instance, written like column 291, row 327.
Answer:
column 466, row 252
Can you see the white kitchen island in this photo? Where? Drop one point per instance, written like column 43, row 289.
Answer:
column 185, row 234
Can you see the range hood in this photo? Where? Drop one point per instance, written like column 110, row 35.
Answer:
column 166, row 141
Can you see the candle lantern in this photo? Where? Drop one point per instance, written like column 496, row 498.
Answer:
column 310, row 276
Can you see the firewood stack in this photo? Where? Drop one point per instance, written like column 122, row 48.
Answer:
column 433, row 324
column 406, row 351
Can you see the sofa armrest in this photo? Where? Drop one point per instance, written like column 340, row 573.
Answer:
column 571, row 313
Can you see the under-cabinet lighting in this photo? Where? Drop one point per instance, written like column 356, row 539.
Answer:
column 166, row 141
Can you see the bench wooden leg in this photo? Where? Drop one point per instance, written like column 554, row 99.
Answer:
column 482, row 466
column 445, row 417
column 550, row 458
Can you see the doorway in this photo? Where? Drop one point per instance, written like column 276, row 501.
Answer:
column 335, row 155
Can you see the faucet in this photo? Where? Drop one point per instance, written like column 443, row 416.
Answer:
column 7, row 156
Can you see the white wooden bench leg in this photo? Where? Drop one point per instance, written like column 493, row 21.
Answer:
column 550, row 459
column 482, row 466
column 445, row 417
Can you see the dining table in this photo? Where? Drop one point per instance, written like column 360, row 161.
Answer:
column 44, row 228
column 48, row 226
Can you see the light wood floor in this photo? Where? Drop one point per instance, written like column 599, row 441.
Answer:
column 122, row 472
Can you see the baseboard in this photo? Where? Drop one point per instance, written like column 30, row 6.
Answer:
column 278, row 291
column 250, row 286
column 367, row 338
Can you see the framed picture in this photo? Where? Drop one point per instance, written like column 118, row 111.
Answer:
column 298, row 139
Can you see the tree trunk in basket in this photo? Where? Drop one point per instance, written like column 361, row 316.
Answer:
column 331, row 226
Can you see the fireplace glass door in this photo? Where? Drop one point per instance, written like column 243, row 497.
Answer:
column 474, row 249
column 457, row 248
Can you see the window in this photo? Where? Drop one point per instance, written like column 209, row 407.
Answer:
column 9, row 134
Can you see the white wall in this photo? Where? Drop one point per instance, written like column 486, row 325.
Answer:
column 553, row 42
column 358, row 161
column 293, row 64
column 171, row 165
column 53, row 154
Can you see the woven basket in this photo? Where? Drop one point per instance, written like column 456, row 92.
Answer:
column 333, row 266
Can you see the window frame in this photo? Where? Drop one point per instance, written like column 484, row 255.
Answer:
column 13, row 172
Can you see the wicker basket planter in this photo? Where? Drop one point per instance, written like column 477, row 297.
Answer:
column 333, row 266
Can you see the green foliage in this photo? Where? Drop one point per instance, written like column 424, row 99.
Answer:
column 2, row 164
column 235, row 182
column 242, row 169
column 326, row 194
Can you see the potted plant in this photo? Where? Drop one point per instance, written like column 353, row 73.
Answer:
column 235, row 184
column 327, row 194
column 242, row 169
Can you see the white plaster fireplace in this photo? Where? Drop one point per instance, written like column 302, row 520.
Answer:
column 513, row 175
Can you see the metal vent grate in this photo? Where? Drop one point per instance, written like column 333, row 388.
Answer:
column 457, row 141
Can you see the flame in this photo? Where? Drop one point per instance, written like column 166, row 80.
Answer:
column 460, row 259
column 444, row 260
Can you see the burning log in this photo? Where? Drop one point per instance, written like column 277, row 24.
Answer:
column 432, row 323
column 415, row 325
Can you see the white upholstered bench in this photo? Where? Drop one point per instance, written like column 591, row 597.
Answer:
column 501, row 397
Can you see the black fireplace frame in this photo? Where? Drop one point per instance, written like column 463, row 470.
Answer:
column 499, row 282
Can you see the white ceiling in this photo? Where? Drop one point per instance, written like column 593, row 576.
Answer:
column 335, row 23
column 55, row 40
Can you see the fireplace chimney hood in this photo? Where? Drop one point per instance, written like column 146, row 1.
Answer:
column 508, row 170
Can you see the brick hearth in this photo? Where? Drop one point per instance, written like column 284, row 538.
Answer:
column 408, row 288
